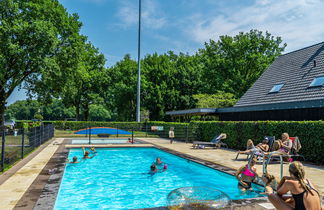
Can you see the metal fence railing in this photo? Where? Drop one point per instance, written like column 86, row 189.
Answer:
column 181, row 133
column 17, row 143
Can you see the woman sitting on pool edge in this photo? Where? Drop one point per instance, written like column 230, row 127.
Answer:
column 246, row 175
column 160, row 166
column 304, row 195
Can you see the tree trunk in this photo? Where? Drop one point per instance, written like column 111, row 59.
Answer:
column 86, row 112
column 77, row 112
column 2, row 110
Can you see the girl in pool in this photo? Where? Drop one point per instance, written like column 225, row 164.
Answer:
column 267, row 180
column 86, row 154
column 246, row 175
column 160, row 166
column 74, row 160
column 93, row 150
column 153, row 169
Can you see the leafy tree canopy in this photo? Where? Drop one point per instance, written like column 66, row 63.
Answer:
column 233, row 64
column 218, row 100
column 37, row 39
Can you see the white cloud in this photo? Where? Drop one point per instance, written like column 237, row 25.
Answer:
column 298, row 22
column 152, row 16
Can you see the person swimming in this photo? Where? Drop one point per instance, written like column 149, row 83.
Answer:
column 86, row 154
column 161, row 166
column 74, row 160
column 246, row 174
column 93, row 150
column 267, row 180
column 153, row 168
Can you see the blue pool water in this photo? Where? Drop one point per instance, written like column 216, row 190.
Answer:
column 102, row 130
column 103, row 141
column 117, row 178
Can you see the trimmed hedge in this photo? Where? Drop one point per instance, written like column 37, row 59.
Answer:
column 310, row 133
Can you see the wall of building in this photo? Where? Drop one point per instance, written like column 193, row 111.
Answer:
column 291, row 115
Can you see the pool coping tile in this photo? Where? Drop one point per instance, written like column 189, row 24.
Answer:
column 47, row 197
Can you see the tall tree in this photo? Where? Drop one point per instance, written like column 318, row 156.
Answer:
column 37, row 39
column 169, row 81
column 233, row 64
column 84, row 84
column 122, row 90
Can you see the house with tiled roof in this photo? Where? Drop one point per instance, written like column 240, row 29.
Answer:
column 290, row 89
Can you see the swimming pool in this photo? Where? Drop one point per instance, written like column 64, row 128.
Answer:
column 103, row 141
column 117, row 178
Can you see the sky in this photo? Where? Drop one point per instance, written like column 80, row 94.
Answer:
column 185, row 25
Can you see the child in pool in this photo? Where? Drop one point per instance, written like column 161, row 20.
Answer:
column 267, row 180
column 93, row 150
column 160, row 165
column 86, row 154
column 246, row 175
column 74, row 160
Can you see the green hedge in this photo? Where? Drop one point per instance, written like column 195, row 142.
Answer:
column 310, row 133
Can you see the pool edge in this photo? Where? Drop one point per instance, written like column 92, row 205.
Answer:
column 47, row 198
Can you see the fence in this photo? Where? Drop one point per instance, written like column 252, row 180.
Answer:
column 17, row 143
column 181, row 132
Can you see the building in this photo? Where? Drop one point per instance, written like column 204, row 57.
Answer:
column 290, row 89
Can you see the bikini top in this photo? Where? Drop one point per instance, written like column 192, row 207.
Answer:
column 248, row 172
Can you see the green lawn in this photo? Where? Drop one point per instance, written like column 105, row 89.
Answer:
column 70, row 134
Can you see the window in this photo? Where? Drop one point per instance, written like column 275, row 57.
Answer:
column 276, row 88
column 318, row 81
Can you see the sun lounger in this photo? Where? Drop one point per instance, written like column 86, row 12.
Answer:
column 216, row 142
column 271, row 140
column 293, row 153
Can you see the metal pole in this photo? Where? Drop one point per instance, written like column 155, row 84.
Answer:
column 138, row 99
column 22, row 143
column 3, row 149
column 90, row 135
column 187, row 134
column 132, row 135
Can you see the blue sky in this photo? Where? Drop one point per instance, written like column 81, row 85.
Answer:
column 184, row 25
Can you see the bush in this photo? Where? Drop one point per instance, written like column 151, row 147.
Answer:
column 310, row 133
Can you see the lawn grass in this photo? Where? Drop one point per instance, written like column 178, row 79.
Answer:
column 70, row 134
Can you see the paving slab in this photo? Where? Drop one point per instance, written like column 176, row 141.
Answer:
column 226, row 158
column 14, row 187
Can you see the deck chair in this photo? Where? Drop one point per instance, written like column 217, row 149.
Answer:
column 295, row 148
column 271, row 140
column 216, row 142
column 293, row 153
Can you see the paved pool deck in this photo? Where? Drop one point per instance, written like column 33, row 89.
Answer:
column 16, row 182
column 226, row 158
column 14, row 187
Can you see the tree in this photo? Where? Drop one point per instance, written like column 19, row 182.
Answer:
column 37, row 39
column 122, row 89
column 84, row 84
column 233, row 64
column 38, row 116
column 27, row 109
column 169, row 81
column 99, row 113
column 22, row 110
column 218, row 100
